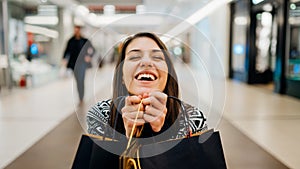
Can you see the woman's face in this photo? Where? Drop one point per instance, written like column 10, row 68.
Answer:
column 145, row 69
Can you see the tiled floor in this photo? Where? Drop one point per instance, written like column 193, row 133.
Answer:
column 62, row 142
column 271, row 121
column 26, row 115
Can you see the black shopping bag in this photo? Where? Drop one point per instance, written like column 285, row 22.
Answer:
column 204, row 151
column 91, row 154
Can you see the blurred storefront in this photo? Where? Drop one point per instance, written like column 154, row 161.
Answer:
column 293, row 48
column 31, row 53
column 5, row 75
column 262, row 39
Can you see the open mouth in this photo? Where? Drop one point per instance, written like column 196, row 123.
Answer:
column 146, row 77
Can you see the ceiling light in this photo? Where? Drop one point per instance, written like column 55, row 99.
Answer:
column 140, row 9
column 47, row 10
column 41, row 30
column 41, row 20
column 109, row 10
column 293, row 6
column 257, row 1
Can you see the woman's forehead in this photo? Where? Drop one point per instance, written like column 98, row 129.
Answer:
column 142, row 43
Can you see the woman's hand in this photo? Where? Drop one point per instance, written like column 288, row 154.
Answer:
column 130, row 111
column 155, row 109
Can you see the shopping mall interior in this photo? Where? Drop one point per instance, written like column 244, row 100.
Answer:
column 238, row 61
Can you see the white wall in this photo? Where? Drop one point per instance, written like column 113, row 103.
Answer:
column 65, row 30
column 215, row 28
column 210, row 45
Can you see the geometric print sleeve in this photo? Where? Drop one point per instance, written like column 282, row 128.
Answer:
column 197, row 120
column 194, row 117
column 97, row 117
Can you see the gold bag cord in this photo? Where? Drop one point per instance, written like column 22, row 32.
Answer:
column 129, row 162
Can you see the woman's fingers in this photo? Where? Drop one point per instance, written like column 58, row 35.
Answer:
column 132, row 108
column 155, row 109
column 132, row 113
column 152, row 114
column 155, row 98
column 155, row 105
column 131, row 100
column 155, row 117
column 132, row 104
column 150, row 107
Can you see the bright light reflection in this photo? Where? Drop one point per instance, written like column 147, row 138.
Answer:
column 257, row 1
column 41, row 20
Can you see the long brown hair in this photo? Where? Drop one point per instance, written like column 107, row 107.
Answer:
column 120, row 91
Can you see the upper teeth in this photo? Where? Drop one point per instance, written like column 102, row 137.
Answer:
column 146, row 76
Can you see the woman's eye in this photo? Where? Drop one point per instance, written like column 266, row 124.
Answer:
column 134, row 57
column 158, row 57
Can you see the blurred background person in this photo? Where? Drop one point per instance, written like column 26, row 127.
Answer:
column 77, row 56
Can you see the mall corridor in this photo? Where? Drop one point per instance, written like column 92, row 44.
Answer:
column 41, row 129
column 238, row 61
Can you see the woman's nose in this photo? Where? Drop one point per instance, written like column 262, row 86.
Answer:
column 146, row 61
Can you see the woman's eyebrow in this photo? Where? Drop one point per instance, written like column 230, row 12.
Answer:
column 134, row 50
column 156, row 50
column 139, row 50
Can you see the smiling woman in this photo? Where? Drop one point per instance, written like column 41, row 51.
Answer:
column 145, row 96
column 145, row 69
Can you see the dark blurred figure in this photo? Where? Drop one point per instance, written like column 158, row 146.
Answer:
column 77, row 56
column 294, row 54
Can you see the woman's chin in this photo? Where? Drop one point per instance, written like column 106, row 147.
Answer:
column 141, row 91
